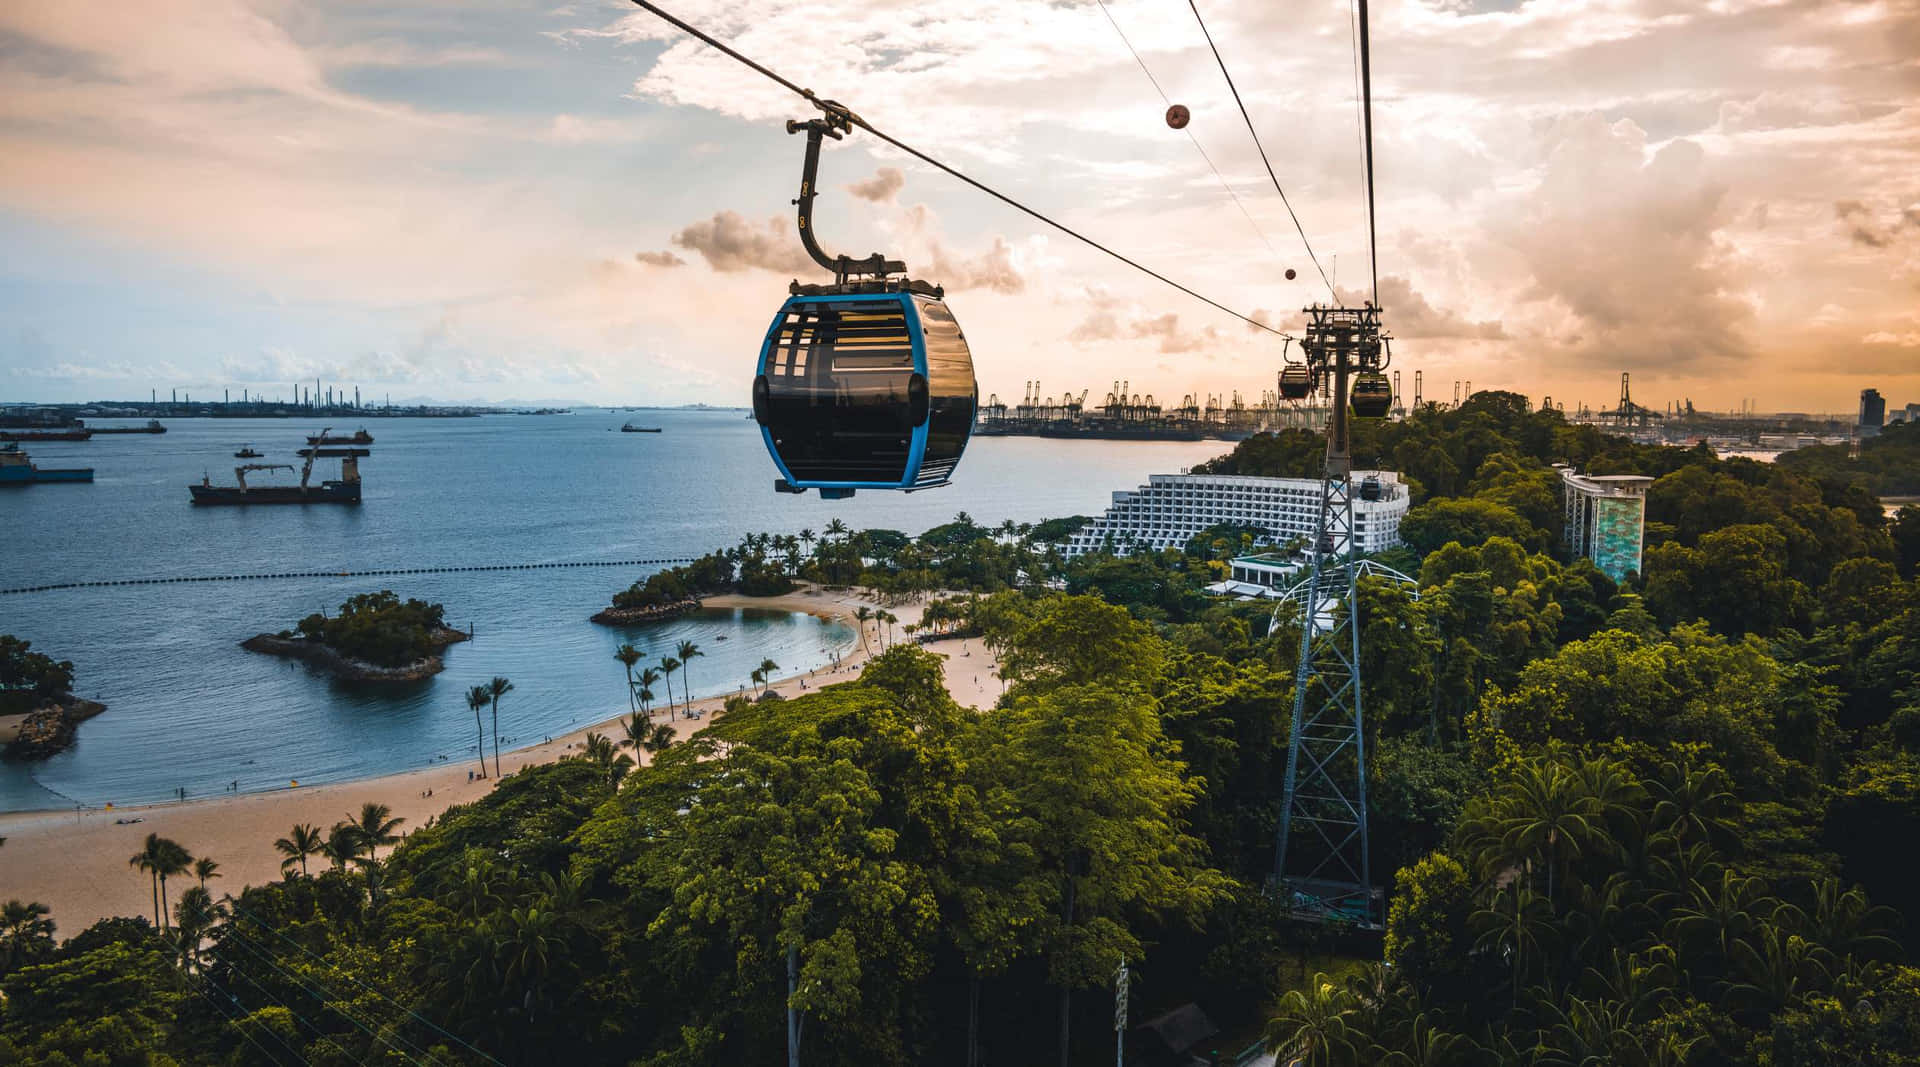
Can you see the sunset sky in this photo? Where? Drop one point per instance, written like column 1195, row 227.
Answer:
column 475, row 200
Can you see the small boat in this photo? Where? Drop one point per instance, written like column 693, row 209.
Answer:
column 17, row 469
column 246, row 452
column 631, row 428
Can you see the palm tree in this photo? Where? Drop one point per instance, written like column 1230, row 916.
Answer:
column 628, row 656
column 756, row 676
column 687, row 650
column 477, row 698
column 659, row 740
column 304, row 841
column 203, row 869
column 1312, row 1028
column 861, row 615
column 374, row 827
column 26, row 934
column 613, row 763
column 667, row 666
column 1515, row 926
column 175, row 861
column 633, row 731
column 193, row 917
column 343, row 844
column 889, row 618
column 836, row 528
column 162, row 859
column 807, row 538
column 497, row 688
column 644, row 688
column 148, row 860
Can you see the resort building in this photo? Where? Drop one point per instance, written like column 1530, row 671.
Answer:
column 1606, row 518
column 1171, row 509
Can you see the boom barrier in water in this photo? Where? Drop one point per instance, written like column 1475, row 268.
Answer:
column 351, row 574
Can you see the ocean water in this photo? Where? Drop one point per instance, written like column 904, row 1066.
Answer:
column 187, row 708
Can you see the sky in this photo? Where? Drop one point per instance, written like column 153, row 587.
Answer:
column 480, row 200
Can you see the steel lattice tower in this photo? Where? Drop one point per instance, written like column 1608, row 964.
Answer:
column 1321, row 864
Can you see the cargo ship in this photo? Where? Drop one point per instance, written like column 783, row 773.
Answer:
column 631, row 428
column 66, row 434
column 343, row 490
column 152, row 426
column 16, row 468
column 359, row 437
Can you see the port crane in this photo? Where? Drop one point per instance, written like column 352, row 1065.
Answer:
column 240, row 472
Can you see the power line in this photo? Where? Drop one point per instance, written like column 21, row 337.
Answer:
column 1189, row 132
column 1262, row 148
column 834, row 108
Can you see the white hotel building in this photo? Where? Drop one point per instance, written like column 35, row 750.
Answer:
column 1171, row 509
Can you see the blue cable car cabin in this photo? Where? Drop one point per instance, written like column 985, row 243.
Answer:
column 865, row 390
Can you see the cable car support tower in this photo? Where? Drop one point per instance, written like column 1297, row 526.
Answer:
column 1321, row 863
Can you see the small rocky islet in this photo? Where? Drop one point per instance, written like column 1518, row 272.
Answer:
column 375, row 637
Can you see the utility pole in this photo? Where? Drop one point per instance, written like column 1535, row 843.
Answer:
column 1120, row 982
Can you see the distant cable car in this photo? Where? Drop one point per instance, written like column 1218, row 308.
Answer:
column 1178, row 116
column 1372, row 395
column 866, row 383
column 1290, row 274
column 1370, row 488
column 1296, row 382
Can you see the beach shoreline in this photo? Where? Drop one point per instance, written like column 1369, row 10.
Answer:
column 75, row 861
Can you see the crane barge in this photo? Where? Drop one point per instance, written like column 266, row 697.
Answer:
column 343, row 490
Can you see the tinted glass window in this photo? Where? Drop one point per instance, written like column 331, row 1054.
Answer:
column 837, row 390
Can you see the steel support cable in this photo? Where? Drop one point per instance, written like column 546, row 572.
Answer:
column 1241, row 204
column 1366, row 108
column 238, row 910
column 1359, row 118
column 1262, row 148
column 325, row 997
column 234, row 968
column 711, row 42
column 236, row 1020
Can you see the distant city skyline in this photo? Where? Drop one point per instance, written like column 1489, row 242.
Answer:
column 572, row 203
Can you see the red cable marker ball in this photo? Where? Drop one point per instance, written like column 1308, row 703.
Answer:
column 1289, row 273
column 1178, row 116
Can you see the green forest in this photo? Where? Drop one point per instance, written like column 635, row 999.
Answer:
column 1664, row 821
column 378, row 628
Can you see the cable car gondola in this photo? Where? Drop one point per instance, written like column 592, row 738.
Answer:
column 1372, row 395
column 1296, row 382
column 866, row 383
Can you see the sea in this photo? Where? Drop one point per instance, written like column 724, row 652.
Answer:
column 188, row 709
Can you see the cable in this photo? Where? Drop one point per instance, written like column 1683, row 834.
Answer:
column 233, row 968
column 1366, row 103
column 315, row 988
column 1359, row 119
column 234, row 903
column 856, row 120
column 1263, row 150
column 1189, row 131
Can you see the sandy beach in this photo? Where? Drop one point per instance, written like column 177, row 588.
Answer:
column 76, row 862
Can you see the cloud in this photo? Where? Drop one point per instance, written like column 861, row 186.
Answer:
column 659, row 259
column 729, row 243
column 1109, row 319
column 995, row 269
column 882, row 187
column 1409, row 314
column 1624, row 248
column 1863, row 228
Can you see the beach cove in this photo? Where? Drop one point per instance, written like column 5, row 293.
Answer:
column 76, row 862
